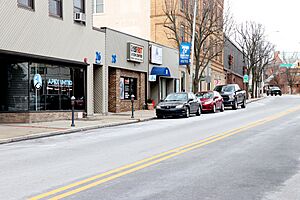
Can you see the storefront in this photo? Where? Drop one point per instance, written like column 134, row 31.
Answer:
column 127, row 67
column 34, row 89
column 163, row 72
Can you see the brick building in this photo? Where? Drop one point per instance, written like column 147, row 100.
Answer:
column 214, row 75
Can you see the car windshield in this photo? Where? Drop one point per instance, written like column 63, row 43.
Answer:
column 205, row 95
column 228, row 89
column 177, row 97
column 275, row 88
column 218, row 88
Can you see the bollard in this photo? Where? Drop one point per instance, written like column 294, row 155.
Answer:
column 132, row 106
column 73, row 104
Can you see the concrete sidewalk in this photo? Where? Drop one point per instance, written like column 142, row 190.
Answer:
column 25, row 131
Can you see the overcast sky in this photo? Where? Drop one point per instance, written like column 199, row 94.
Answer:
column 280, row 18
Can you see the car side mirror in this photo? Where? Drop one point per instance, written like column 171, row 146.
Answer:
column 190, row 100
column 162, row 100
column 215, row 98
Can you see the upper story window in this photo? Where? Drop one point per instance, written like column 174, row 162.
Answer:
column 98, row 6
column 182, row 33
column 26, row 3
column 55, row 8
column 182, row 4
column 79, row 6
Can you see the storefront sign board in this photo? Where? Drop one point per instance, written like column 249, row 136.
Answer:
column 135, row 53
column 152, row 78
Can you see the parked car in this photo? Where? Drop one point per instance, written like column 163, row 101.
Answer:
column 274, row 91
column 211, row 101
column 232, row 95
column 179, row 104
column 218, row 88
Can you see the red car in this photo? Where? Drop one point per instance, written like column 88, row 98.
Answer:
column 211, row 101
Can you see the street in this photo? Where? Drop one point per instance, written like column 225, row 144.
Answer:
column 250, row 153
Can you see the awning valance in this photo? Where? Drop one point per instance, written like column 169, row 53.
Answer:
column 160, row 71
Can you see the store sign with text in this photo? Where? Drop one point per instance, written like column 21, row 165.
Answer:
column 135, row 53
column 58, row 82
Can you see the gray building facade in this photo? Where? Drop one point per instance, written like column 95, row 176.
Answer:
column 233, row 63
column 47, row 55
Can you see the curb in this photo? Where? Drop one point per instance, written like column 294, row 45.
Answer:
column 256, row 99
column 69, row 131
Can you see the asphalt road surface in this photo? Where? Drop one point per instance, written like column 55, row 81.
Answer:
column 251, row 153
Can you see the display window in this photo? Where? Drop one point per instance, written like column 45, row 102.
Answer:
column 40, row 87
column 60, row 83
column 128, row 86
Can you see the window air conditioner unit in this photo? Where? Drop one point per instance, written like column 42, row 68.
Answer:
column 79, row 17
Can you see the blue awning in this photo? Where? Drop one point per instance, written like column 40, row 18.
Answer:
column 160, row 71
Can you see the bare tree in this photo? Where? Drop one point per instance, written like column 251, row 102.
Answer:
column 211, row 23
column 265, row 52
column 250, row 37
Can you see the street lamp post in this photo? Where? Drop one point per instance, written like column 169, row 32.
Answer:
column 192, row 46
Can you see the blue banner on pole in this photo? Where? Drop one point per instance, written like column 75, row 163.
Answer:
column 185, row 51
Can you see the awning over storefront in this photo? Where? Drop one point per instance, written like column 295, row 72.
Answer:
column 160, row 71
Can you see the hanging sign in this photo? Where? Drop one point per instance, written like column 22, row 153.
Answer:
column 246, row 78
column 184, row 53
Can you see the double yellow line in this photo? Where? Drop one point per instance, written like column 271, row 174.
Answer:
column 130, row 168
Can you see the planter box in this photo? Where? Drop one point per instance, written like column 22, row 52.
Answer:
column 150, row 106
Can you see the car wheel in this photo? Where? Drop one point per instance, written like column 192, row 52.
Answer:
column 159, row 116
column 214, row 109
column 275, row 94
column 271, row 94
column 187, row 112
column 244, row 103
column 222, row 108
column 280, row 94
column 198, row 113
column 235, row 105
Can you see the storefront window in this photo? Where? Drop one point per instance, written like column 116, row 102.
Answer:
column 14, row 86
column 59, row 85
column 128, row 86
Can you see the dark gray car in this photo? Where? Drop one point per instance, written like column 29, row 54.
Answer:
column 179, row 104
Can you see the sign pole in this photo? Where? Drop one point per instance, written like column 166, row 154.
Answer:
column 192, row 47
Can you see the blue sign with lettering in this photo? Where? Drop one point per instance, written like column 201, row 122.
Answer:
column 185, row 51
column 98, row 58
column 114, row 58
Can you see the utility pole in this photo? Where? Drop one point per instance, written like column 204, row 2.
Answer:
column 192, row 46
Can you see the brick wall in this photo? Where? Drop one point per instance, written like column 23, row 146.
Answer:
column 30, row 117
column 115, row 104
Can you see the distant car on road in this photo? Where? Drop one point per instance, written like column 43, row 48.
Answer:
column 274, row 91
column 211, row 101
column 179, row 104
column 232, row 95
